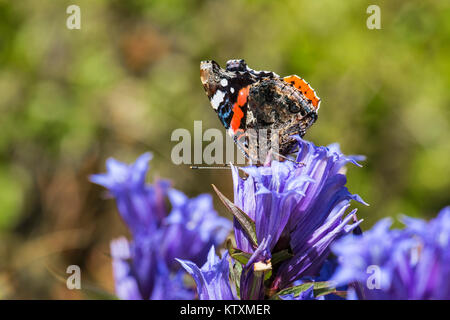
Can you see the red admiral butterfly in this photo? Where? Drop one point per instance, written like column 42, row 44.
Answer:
column 249, row 101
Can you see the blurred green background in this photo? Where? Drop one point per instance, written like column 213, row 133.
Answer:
column 121, row 84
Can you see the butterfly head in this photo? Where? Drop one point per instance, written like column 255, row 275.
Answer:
column 210, row 75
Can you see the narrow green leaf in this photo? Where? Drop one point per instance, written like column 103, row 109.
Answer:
column 235, row 275
column 237, row 254
column 244, row 220
column 320, row 289
column 323, row 288
column 242, row 257
column 267, row 275
column 280, row 256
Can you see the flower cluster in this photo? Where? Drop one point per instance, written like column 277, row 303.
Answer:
column 297, row 210
column 294, row 238
column 145, row 267
column 411, row 263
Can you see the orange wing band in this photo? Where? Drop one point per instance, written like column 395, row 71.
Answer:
column 305, row 88
column 238, row 114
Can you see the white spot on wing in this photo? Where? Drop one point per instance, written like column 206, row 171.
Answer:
column 268, row 73
column 224, row 82
column 232, row 90
column 217, row 99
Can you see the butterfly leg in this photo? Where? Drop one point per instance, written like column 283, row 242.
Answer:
column 240, row 142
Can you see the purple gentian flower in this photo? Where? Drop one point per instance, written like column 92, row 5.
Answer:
column 145, row 267
column 125, row 282
column 268, row 196
column 170, row 286
column 296, row 208
column 154, row 280
column 212, row 279
column 326, row 272
column 301, row 207
column 252, row 276
column 140, row 205
column 412, row 263
column 192, row 227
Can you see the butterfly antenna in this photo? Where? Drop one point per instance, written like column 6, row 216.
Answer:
column 224, row 166
column 289, row 159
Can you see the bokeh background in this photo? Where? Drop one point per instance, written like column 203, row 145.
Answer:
column 69, row 99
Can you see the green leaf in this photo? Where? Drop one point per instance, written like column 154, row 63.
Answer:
column 244, row 220
column 241, row 256
column 280, row 256
column 237, row 254
column 320, row 289
column 324, row 288
column 235, row 275
column 267, row 275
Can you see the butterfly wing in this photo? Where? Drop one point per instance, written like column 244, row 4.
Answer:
column 305, row 88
